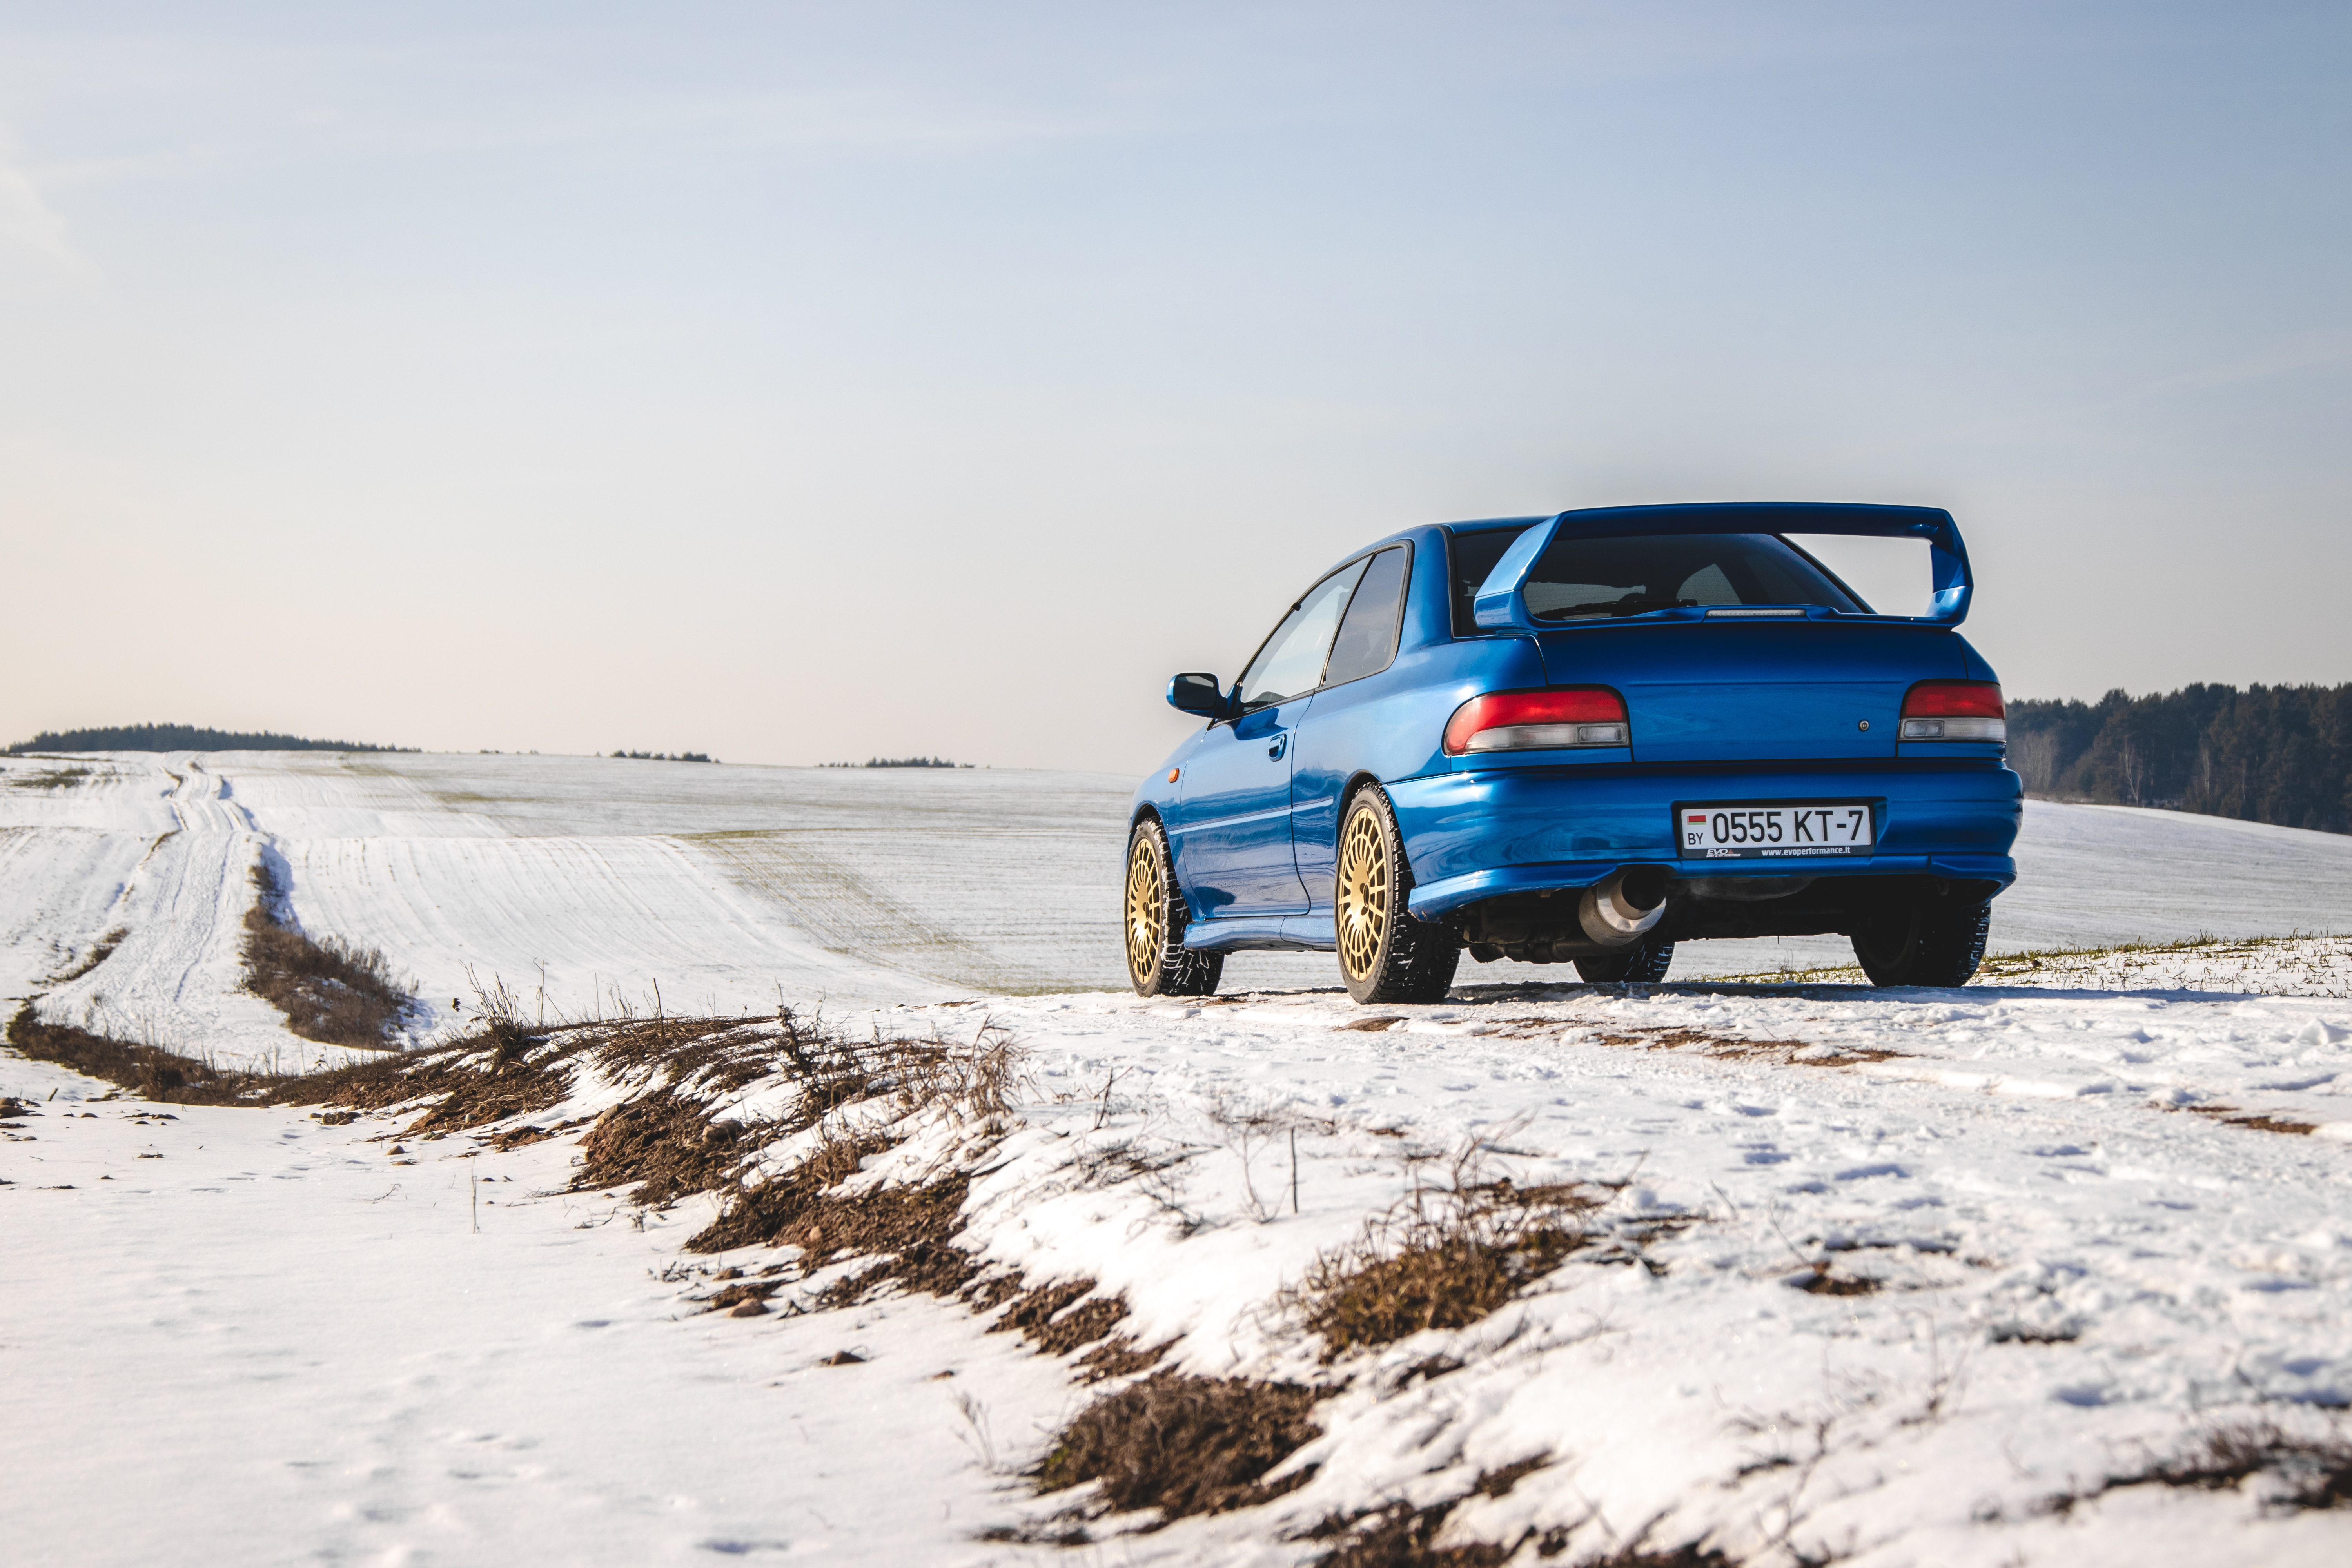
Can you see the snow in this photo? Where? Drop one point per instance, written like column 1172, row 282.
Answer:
column 2089, row 1238
column 584, row 883
column 342, row 1369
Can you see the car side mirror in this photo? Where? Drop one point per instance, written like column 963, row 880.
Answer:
column 1199, row 693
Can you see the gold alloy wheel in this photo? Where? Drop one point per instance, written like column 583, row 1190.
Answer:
column 1147, row 909
column 1363, row 895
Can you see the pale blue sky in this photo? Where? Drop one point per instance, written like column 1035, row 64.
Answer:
column 797, row 383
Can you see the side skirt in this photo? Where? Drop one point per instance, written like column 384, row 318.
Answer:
column 1263, row 934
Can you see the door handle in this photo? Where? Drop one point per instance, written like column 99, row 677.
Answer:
column 1280, row 743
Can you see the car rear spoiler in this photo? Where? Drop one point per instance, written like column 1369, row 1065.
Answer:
column 1501, row 605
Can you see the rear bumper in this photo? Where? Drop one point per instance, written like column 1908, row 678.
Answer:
column 1472, row 837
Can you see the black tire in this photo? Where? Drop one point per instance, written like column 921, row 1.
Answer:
column 1157, row 962
column 1925, row 942
column 1386, row 956
column 1645, row 961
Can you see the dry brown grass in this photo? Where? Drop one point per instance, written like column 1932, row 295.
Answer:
column 907, row 1229
column 1060, row 1319
column 100, row 950
column 1446, row 1256
column 330, row 990
column 2229, row 1116
column 1821, row 1280
column 1403, row 1536
column 1184, row 1445
column 665, row 1143
column 149, row 1070
column 2304, row 1472
column 1795, row 1053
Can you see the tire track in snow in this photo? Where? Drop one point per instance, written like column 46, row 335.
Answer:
column 605, row 920
column 177, row 980
column 847, row 914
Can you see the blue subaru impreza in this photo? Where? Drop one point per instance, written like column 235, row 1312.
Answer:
column 1584, row 739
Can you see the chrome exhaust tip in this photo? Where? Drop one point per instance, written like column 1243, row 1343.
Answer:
column 1621, row 910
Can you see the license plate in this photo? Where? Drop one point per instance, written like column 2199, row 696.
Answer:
column 1741, row 832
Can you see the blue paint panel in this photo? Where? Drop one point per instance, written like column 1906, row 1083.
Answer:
column 1228, row 816
column 1720, row 690
column 1570, row 827
column 1389, row 726
column 1263, row 933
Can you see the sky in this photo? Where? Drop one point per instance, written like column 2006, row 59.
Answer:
column 801, row 382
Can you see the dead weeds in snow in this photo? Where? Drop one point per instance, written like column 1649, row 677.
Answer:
column 2231, row 1115
column 149, row 1070
column 330, row 990
column 1446, row 1256
column 1793, row 1053
column 1184, row 1445
column 907, row 1229
column 99, row 952
column 2299, row 1472
column 1400, row 1535
column 665, row 1143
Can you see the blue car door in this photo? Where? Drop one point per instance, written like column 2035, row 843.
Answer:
column 1230, row 820
column 1231, row 831
column 1353, row 714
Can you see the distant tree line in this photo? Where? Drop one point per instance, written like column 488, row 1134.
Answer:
column 898, row 762
column 181, row 738
column 664, row 756
column 2269, row 753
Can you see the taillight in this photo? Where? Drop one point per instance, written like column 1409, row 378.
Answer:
column 1955, row 710
column 1529, row 720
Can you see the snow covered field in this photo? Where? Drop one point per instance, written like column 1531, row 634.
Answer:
column 587, row 883
column 2063, row 1224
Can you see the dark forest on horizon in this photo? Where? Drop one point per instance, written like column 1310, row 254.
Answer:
column 180, row 738
column 2281, row 754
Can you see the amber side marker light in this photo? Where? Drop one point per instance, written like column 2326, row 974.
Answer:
column 1562, row 717
column 1955, row 710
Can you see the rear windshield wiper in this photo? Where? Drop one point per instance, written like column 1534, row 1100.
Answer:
column 1630, row 604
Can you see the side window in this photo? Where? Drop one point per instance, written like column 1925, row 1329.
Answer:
column 1291, row 662
column 1368, row 635
column 1473, row 556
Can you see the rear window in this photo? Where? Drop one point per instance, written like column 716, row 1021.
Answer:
column 1589, row 579
column 1592, row 579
